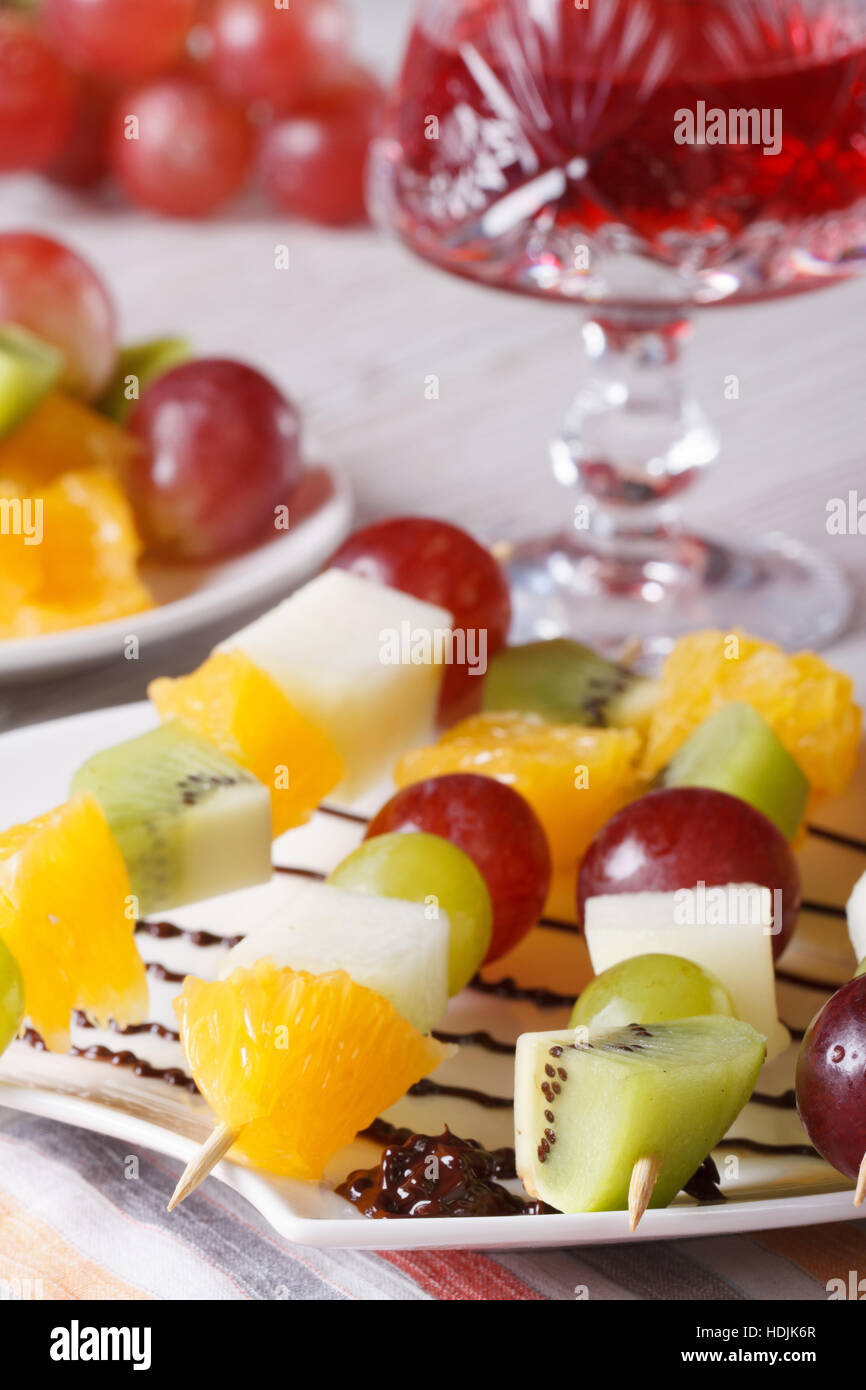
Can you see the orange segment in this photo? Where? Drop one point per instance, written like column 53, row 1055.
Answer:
column 573, row 778
column 230, row 701
column 810, row 706
column 20, row 564
column 63, row 436
column 65, row 914
column 298, row 1063
column 86, row 563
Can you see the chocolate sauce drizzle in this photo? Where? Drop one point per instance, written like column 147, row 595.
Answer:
column 508, row 988
column 162, row 972
column 785, row 1100
column 791, row 977
column 556, row 924
column 837, row 838
column 172, row 1076
column 759, row 1146
column 165, row 931
column 823, row 909
column 476, row 1038
column 427, row 1176
column 132, row 1030
column 428, row 1087
column 352, row 816
column 704, row 1185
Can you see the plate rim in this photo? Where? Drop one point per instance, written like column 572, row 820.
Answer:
column 356, row 1232
column 73, row 648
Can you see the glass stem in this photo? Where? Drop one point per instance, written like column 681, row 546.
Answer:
column 634, row 440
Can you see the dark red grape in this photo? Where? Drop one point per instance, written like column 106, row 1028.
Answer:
column 276, row 53
column 49, row 289
column 179, row 148
column 83, row 160
column 221, row 450
column 313, row 162
column 37, row 97
column 498, row 830
column 440, row 563
column 831, row 1079
column 681, row 836
column 121, row 40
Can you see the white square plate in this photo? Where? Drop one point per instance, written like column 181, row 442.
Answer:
column 764, row 1190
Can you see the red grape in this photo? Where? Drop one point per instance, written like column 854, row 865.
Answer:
column 442, row 564
column 37, row 97
column 189, row 153
column 83, row 160
column 831, row 1079
column 681, row 836
column 313, row 162
column 122, row 40
column 499, row 832
column 46, row 287
column 276, row 53
column 221, row 450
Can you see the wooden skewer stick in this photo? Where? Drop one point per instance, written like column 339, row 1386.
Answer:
column 860, row 1194
column 203, row 1163
column 640, row 1189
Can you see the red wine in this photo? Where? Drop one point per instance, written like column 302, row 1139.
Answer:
column 522, row 134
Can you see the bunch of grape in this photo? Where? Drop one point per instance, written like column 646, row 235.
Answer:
column 215, row 446
column 183, row 102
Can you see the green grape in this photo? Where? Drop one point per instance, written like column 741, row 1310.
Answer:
column 650, row 989
column 145, row 362
column 861, row 968
column 11, row 997
column 427, row 869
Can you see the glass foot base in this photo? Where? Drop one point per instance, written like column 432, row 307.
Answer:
column 776, row 589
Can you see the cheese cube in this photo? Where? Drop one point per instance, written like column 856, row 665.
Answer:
column 389, row 945
column 738, row 951
column 360, row 660
column 856, row 912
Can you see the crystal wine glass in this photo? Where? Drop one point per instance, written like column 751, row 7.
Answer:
column 638, row 158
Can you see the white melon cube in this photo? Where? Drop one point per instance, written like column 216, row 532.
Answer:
column 737, row 950
column 856, row 911
column 359, row 659
column 389, row 945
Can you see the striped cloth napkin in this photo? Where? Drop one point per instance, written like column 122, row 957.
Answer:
column 82, row 1218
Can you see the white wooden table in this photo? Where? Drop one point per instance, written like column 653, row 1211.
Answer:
column 355, row 326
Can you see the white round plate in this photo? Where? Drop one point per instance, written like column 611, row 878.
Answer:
column 191, row 596
column 763, row 1191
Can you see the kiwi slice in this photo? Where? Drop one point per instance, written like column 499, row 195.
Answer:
column 29, row 368
column 735, row 750
column 145, row 362
column 189, row 822
column 565, row 682
column 586, row 1112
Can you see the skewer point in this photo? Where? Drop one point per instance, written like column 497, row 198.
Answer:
column 643, row 1180
column 203, row 1162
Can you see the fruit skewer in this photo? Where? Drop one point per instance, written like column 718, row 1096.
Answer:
column 644, row 1176
column 288, row 1095
column 202, row 1164
column 667, row 1092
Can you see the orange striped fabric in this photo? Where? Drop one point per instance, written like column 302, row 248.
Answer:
column 36, row 1262
column 825, row 1252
